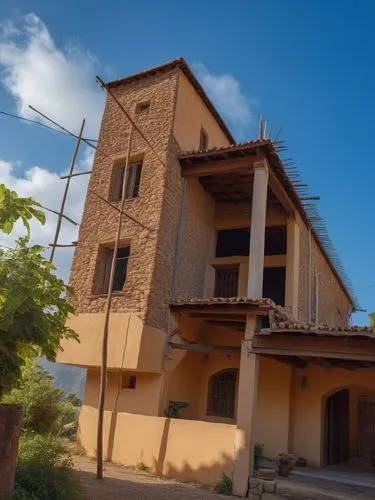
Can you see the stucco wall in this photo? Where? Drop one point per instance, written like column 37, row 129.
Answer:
column 309, row 401
column 333, row 304
column 131, row 345
column 191, row 115
column 273, row 407
column 144, row 399
column 186, row 449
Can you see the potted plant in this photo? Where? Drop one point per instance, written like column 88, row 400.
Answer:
column 285, row 464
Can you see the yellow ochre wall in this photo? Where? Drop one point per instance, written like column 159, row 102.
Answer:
column 191, row 114
column 194, row 450
column 131, row 345
column 309, row 404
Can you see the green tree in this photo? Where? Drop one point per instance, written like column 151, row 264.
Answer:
column 34, row 302
column 372, row 319
column 46, row 409
column 13, row 208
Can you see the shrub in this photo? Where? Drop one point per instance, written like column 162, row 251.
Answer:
column 46, row 409
column 225, row 485
column 45, row 470
column 258, row 455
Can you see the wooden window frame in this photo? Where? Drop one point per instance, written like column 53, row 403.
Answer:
column 235, row 268
column 216, row 405
column 133, row 181
column 203, row 140
column 103, row 269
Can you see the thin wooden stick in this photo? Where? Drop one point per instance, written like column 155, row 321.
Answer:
column 76, row 175
column 72, row 164
column 62, row 215
column 103, row 370
column 119, row 210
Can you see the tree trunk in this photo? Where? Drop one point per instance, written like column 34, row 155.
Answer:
column 10, row 428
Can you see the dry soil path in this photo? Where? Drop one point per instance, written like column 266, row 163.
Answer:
column 124, row 483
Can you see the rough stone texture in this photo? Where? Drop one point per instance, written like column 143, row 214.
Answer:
column 333, row 303
column 99, row 222
column 198, row 241
column 256, row 488
column 269, row 486
column 10, row 428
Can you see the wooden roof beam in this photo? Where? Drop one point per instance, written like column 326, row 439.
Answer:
column 220, row 167
column 280, row 192
column 314, row 347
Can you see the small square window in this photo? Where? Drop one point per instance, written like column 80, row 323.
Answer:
column 104, row 269
column 133, row 181
column 142, row 108
column 128, row 382
column 203, row 140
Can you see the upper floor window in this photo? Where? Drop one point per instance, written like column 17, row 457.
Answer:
column 142, row 108
column 222, row 393
column 226, row 281
column 203, row 140
column 132, row 182
column 104, row 269
column 231, row 242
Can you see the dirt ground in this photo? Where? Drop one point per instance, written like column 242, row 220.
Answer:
column 124, row 483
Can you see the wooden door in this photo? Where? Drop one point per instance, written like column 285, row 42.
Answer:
column 366, row 426
column 336, row 440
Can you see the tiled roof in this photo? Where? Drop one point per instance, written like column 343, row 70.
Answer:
column 185, row 68
column 289, row 327
column 224, row 149
column 223, row 301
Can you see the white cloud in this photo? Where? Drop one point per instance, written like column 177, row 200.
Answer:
column 227, row 94
column 47, row 188
column 61, row 83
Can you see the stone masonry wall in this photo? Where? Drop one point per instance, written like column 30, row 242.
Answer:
column 198, row 241
column 333, row 303
column 99, row 222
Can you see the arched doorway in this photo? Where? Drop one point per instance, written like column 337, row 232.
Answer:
column 336, row 428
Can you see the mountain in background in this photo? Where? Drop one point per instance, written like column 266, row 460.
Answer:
column 68, row 378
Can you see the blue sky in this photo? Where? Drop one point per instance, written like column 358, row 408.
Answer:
column 307, row 66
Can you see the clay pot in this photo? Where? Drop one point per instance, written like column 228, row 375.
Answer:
column 285, row 466
column 10, row 429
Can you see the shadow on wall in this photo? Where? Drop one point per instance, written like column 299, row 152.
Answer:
column 185, row 449
column 209, row 474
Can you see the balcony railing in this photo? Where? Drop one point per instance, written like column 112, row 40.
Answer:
column 226, row 281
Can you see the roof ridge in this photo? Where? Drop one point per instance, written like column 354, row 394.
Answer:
column 181, row 63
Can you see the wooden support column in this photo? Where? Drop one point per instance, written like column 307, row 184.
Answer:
column 246, row 413
column 292, row 267
column 258, row 226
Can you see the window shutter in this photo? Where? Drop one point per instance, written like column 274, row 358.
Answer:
column 117, row 180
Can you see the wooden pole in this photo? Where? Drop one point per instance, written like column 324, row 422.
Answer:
column 103, row 370
column 60, row 217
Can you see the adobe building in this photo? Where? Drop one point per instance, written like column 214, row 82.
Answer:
column 230, row 315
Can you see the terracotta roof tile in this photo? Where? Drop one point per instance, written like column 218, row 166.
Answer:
column 282, row 326
column 224, row 301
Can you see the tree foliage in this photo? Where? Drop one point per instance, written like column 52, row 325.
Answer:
column 13, row 208
column 372, row 319
column 34, row 302
column 46, row 409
